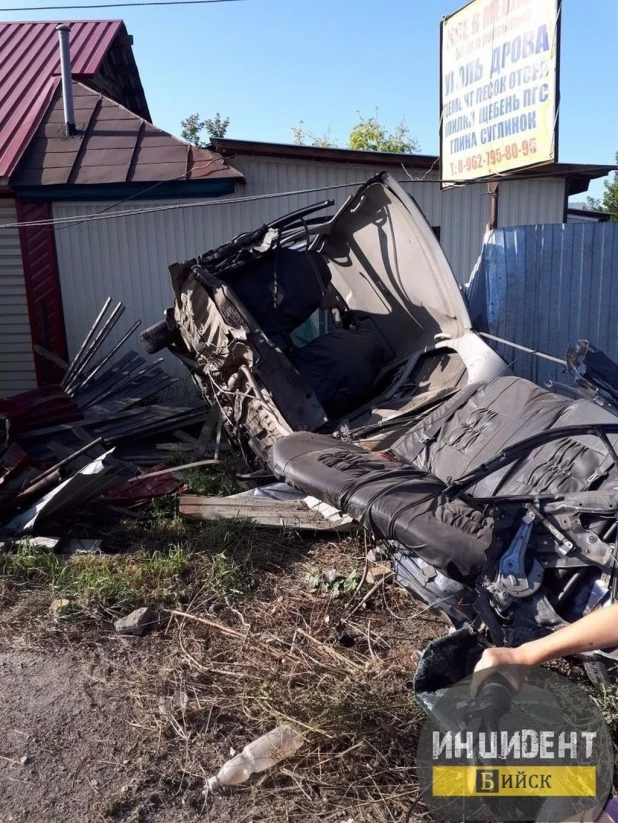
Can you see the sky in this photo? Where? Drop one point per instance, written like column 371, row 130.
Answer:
column 267, row 64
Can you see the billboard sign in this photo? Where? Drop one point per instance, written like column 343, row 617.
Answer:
column 500, row 64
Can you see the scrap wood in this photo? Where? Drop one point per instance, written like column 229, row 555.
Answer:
column 212, row 420
column 62, row 463
column 261, row 512
column 48, row 355
column 48, row 543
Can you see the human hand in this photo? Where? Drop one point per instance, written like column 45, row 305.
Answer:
column 509, row 663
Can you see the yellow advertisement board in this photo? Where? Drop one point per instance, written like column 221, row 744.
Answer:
column 499, row 92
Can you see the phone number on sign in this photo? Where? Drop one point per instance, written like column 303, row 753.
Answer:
column 494, row 157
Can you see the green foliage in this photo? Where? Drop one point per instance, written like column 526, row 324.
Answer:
column 347, row 584
column 164, row 577
column 302, row 137
column 370, row 135
column 209, row 482
column 193, row 127
column 609, row 202
column 367, row 135
column 205, row 481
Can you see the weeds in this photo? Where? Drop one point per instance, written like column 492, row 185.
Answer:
column 279, row 655
column 334, row 586
column 208, row 482
column 606, row 699
column 178, row 566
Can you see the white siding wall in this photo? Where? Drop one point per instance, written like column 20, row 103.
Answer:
column 16, row 359
column 128, row 257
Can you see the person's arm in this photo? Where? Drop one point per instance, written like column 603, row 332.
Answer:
column 598, row 630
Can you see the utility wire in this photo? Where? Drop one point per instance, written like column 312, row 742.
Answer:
column 124, row 5
column 218, row 201
column 211, row 202
column 145, row 191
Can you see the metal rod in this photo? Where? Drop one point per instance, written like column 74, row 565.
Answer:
column 522, row 348
column 85, row 342
column 82, row 385
column 128, row 378
column 608, row 445
column 251, row 381
column 218, row 463
column 64, row 462
column 96, row 344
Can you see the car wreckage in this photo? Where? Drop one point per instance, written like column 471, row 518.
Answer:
column 341, row 354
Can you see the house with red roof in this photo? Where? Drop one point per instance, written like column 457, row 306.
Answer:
column 111, row 153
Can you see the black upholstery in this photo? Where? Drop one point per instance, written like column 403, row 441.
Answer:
column 396, row 502
column 459, row 437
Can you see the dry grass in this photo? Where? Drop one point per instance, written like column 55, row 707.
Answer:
column 286, row 654
column 245, row 641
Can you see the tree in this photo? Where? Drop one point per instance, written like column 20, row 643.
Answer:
column 193, row 127
column 609, row 201
column 370, row 135
column 301, row 137
column 367, row 135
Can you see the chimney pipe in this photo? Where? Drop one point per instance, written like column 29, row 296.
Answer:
column 65, row 70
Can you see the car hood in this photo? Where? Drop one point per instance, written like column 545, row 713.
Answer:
column 389, row 267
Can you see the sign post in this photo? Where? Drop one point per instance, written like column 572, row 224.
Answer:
column 499, row 88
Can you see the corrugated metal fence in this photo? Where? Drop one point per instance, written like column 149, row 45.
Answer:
column 546, row 287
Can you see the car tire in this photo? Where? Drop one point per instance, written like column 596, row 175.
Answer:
column 157, row 337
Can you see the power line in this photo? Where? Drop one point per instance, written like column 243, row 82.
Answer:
column 217, row 201
column 124, row 5
column 175, row 206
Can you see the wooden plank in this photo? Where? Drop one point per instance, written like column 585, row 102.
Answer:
column 184, row 437
column 212, row 419
column 292, row 514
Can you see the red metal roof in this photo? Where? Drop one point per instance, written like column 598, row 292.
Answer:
column 29, row 74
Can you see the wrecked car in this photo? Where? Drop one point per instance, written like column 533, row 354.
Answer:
column 341, row 354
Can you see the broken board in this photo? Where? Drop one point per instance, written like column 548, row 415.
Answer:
column 293, row 514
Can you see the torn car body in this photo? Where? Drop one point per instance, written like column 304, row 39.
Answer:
column 349, row 326
column 342, row 356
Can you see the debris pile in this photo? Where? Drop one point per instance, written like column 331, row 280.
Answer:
column 92, row 442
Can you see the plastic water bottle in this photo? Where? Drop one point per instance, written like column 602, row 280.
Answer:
column 262, row 754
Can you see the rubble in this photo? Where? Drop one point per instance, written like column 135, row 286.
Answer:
column 135, row 623
column 90, row 441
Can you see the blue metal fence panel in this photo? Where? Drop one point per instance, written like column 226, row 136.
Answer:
column 546, row 287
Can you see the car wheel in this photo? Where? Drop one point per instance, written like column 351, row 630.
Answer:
column 157, row 337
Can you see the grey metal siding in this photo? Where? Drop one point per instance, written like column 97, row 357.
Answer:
column 546, row 287
column 127, row 257
column 17, row 372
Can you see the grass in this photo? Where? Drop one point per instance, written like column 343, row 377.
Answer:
column 606, row 700
column 207, row 482
column 170, row 563
column 275, row 656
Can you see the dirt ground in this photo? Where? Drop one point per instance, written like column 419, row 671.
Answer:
column 99, row 727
